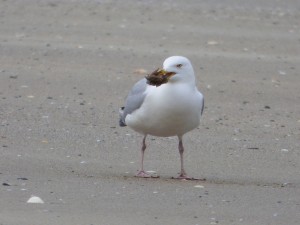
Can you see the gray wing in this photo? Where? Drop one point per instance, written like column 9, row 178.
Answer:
column 134, row 100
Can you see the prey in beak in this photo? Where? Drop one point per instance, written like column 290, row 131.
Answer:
column 159, row 77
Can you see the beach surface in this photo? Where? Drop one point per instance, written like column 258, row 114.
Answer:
column 67, row 66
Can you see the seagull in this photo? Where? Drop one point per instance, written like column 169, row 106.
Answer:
column 171, row 109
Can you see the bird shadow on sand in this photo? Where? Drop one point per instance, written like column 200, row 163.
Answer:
column 207, row 180
column 217, row 181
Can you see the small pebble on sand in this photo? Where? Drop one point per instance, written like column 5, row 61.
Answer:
column 35, row 199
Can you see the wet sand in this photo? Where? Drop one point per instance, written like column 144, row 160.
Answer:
column 66, row 67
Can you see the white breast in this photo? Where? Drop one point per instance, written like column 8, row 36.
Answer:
column 171, row 109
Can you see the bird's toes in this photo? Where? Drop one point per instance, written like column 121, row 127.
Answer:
column 186, row 177
column 143, row 174
column 182, row 177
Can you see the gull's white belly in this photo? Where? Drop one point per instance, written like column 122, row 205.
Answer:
column 167, row 112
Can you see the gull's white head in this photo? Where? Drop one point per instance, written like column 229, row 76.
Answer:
column 180, row 69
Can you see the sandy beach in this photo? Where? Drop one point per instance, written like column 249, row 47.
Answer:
column 67, row 66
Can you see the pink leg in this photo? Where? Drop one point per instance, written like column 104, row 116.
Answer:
column 142, row 173
column 183, row 174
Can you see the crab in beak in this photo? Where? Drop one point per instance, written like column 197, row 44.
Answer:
column 159, row 77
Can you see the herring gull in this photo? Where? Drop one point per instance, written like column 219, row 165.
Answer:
column 170, row 109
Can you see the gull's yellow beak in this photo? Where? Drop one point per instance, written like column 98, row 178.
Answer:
column 165, row 73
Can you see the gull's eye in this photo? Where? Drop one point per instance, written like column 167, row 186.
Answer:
column 179, row 65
